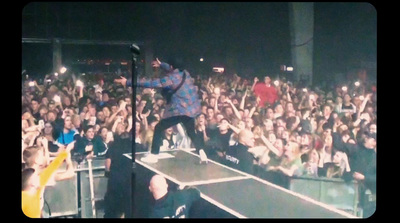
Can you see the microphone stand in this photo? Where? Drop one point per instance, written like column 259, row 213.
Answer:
column 135, row 50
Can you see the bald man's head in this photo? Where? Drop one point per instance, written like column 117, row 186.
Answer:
column 158, row 186
column 246, row 137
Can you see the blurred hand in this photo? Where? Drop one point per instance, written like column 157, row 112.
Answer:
column 272, row 168
column 145, row 115
column 156, row 63
column 122, row 106
column 203, row 128
column 358, row 176
column 152, row 92
column 121, row 81
column 26, row 116
column 70, row 146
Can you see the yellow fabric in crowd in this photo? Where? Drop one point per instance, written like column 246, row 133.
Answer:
column 31, row 203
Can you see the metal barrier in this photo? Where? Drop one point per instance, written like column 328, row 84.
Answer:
column 72, row 197
column 62, row 198
column 99, row 185
column 332, row 191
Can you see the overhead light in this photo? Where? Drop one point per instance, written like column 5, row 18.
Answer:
column 286, row 68
column 218, row 69
column 63, row 70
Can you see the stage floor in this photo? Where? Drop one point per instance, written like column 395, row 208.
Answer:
column 240, row 194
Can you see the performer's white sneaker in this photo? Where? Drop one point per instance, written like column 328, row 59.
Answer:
column 150, row 158
column 203, row 156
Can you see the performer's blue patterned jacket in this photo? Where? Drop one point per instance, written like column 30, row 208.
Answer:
column 185, row 101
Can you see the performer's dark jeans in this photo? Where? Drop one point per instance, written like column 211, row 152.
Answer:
column 187, row 122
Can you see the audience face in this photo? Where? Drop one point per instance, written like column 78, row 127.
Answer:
column 204, row 109
column 219, row 117
column 138, row 127
column 212, row 102
column 327, row 111
column 268, row 125
column 280, row 123
column 249, row 123
column 201, row 119
column 267, row 80
column 328, row 140
column 241, row 125
column 67, row 123
column 48, row 128
column 51, row 116
column 223, row 125
column 314, row 156
column 305, row 140
column 105, row 97
column 278, row 109
column 346, row 99
column 106, row 112
column 103, row 133
column 210, row 113
column 228, row 111
column 114, row 109
column 43, row 111
column 270, row 114
column 169, row 131
column 246, row 137
column 90, row 133
column 128, row 101
column 66, row 101
column 100, row 116
column 289, row 107
column 338, row 157
column 372, row 128
column 291, row 150
column 92, row 111
column 34, row 105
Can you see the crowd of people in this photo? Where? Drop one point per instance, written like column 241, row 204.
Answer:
column 288, row 130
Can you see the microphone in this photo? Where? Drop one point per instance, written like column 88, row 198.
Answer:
column 135, row 49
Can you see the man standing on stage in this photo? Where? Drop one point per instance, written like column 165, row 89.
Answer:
column 182, row 107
